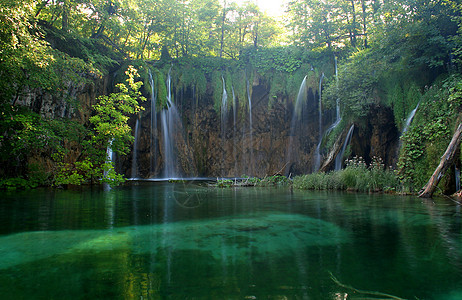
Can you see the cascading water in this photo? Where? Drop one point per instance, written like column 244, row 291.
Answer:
column 234, row 129
column 153, row 125
column 320, row 106
column 224, row 114
column 109, row 156
column 169, row 119
column 135, row 150
column 338, row 119
column 407, row 124
column 317, row 155
column 339, row 158
column 301, row 97
column 410, row 118
column 250, row 128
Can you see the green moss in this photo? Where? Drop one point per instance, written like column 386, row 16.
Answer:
column 161, row 89
column 217, row 90
column 429, row 134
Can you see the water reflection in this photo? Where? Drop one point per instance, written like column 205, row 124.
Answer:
column 182, row 241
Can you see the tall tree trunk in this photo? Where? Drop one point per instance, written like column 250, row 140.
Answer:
column 363, row 5
column 353, row 31
column 327, row 34
column 255, row 40
column 65, row 16
column 141, row 53
column 42, row 5
column 447, row 160
column 222, row 29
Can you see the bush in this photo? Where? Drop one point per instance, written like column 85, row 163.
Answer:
column 356, row 176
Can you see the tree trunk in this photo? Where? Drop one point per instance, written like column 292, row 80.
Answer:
column 39, row 10
column 65, row 16
column 363, row 5
column 446, row 161
column 222, row 30
column 353, row 29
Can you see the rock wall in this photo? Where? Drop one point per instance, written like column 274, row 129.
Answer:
column 207, row 147
column 74, row 102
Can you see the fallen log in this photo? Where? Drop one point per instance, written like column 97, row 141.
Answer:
column 446, row 161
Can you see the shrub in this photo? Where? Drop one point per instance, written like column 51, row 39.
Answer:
column 356, row 176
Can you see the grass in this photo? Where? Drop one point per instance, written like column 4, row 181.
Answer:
column 357, row 176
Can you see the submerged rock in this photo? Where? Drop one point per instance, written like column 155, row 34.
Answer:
column 223, row 238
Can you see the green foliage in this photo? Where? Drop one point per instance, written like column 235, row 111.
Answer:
column 112, row 114
column 191, row 75
column 76, row 173
column 26, row 134
column 331, row 137
column 91, row 51
column 217, row 86
column 356, row 176
column 402, row 94
column 275, row 180
column 246, row 181
column 111, row 177
column 318, row 181
column 16, row 183
column 224, row 183
column 430, row 133
column 161, row 89
column 34, row 178
column 110, row 130
column 280, row 59
column 357, row 85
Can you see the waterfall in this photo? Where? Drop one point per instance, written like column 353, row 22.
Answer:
column 135, row 150
column 224, row 113
column 153, row 125
column 317, row 155
column 409, row 118
column 337, row 103
column 109, row 160
column 109, row 157
column 320, row 106
column 169, row 120
column 339, row 158
column 250, row 128
column 301, row 97
column 234, row 130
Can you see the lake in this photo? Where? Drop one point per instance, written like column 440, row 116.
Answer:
column 160, row 240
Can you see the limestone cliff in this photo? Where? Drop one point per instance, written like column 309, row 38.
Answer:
column 213, row 145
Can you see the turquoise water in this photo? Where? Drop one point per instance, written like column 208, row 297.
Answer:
column 190, row 241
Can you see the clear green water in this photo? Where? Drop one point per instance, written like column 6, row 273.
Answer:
column 186, row 241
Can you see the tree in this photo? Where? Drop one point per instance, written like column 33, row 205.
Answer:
column 111, row 130
column 447, row 160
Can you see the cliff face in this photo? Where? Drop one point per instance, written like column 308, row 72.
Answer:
column 74, row 102
column 259, row 142
column 197, row 140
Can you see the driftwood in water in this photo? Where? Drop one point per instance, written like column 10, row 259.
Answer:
column 446, row 161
